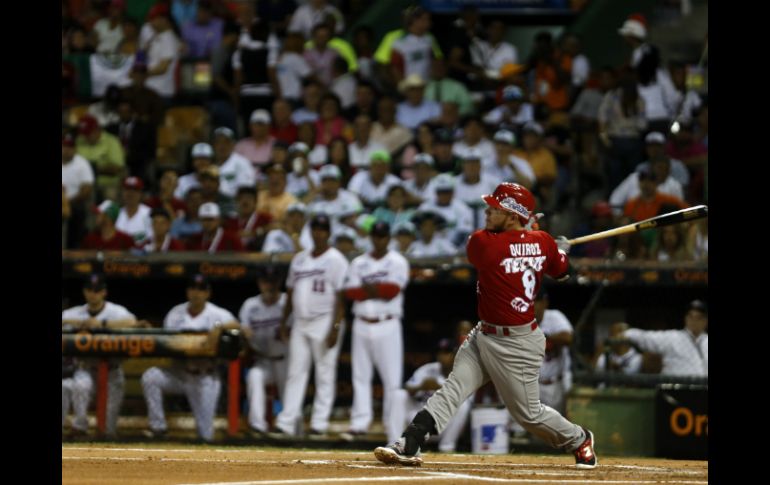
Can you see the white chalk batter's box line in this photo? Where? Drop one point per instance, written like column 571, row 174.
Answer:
column 360, row 463
column 440, row 476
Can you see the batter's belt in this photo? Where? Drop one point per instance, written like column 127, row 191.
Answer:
column 507, row 330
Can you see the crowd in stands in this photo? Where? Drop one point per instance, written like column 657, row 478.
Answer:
column 303, row 111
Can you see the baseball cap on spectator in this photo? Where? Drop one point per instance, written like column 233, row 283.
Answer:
column 297, row 207
column 425, row 214
column 380, row 229
column 471, row 154
column 379, row 156
column 404, row 227
column 320, row 221
column 225, row 131
column 412, row 81
column 601, row 209
column 202, row 150
column 345, row 232
column 212, row 171
column 87, row 125
column 533, row 127
column 700, row 306
column 134, row 183
column 505, row 136
column 108, row 208
column 260, row 116
column 68, row 140
column 199, row 282
column 655, row 137
column 442, row 135
column 425, row 158
column 634, row 26
column 330, row 171
column 444, row 182
column 95, row 282
column 299, row 147
column 160, row 211
column 512, row 93
column 445, row 345
column 208, row 210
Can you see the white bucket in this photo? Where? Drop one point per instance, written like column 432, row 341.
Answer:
column 489, row 431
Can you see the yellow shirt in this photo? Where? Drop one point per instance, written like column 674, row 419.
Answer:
column 542, row 161
column 275, row 206
column 106, row 151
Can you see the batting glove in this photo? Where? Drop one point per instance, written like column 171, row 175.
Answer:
column 563, row 244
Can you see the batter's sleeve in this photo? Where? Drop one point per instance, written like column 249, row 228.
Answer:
column 474, row 249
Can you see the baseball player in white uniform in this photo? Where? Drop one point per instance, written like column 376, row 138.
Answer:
column 314, row 296
column 375, row 282
column 78, row 389
column 197, row 379
column 423, row 383
column 260, row 318
column 622, row 357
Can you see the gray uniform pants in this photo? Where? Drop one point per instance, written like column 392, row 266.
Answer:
column 513, row 364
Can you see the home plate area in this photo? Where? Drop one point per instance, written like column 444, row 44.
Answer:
column 176, row 464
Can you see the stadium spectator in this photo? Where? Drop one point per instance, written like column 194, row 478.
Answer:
column 492, row 54
column 162, row 48
column 211, row 190
column 580, row 66
column 415, row 109
column 105, row 236
column 442, row 88
column 108, row 31
column 361, row 148
column 303, row 180
column 655, row 148
column 330, row 123
column 472, row 183
column 631, row 246
column 541, row 159
column 278, row 13
column 188, row 225
column 506, row 166
column 321, row 57
column 203, row 34
column 584, row 114
column 394, row 212
column 601, row 220
column 313, row 13
column 249, row 224
column 202, row 157
column 671, row 245
column 622, row 357
column 552, row 78
column 420, row 188
column 315, row 153
column 446, row 161
column 138, row 138
column 514, row 113
column 339, row 155
column 343, row 48
column 686, row 101
column 372, row 185
column 285, row 238
column 183, row 11
column 449, row 119
column 404, row 234
column 166, row 199
column 283, row 128
column 345, row 240
column 386, row 130
column 161, row 240
column 275, row 200
column 311, row 101
column 364, row 102
column 129, row 41
column 660, row 168
column 693, row 153
column 429, row 242
column 333, row 200
column 363, row 44
column 343, row 84
column 146, row 102
column 77, row 179
column 698, row 240
column 134, row 217
column 422, row 143
column 105, row 153
column 474, row 137
column 465, row 28
column 650, row 199
column 256, row 148
column 412, row 52
column 214, row 238
column 223, row 93
column 292, row 69
column 106, row 110
column 458, row 217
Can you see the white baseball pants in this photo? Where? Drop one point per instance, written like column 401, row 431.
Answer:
column 264, row 372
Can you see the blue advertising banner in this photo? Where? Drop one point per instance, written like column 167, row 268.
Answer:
column 500, row 6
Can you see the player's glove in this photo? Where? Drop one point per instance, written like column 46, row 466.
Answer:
column 563, row 244
column 532, row 222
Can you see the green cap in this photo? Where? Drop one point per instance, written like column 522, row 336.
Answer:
column 380, row 156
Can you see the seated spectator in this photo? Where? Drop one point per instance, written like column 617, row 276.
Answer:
column 514, row 113
column 386, row 130
column 698, row 240
column 474, row 137
column 601, row 220
column 311, row 100
column 413, row 50
column 472, row 183
column 292, row 69
column 655, row 148
column 162, row 47
column 415, row 109
column 303, row 180
column 321, row 57
column 631, row 246
column 315, row 153
column 345, row 240
column 364, row 102
column 507, row 167
column 372, row 185
column 450, row 118
column 430, row 243
column 330, row 123
column 404, row 234
column 283, row 129
column 312, row 13
column 621, row 357
column 249, row 224
column 339, row 155
column 333, row 200
column 343, row 84
column 211, row 191
column 202, row 157
column 650, row 203
column 446, row 161
column 161, row 240
column 105, row 237
column 105, row 153
column 422, row 143
column 106, row 110
column 138, row 138
column 256, row 148
column 670, row 244
column 77, row 179
column 420, row 188
column 660, row 170
column 285, row 238
column 165, row 198
column 361, row 148
column 213, row 238
column 204, row 33
column 235, row 170
column 685, row 352
column 442, row 88
column 275, row 200
column 108, row 30
column 541, row 159
column 134, row 218
column 187, row 225
column 458, row 217
column 394, row 211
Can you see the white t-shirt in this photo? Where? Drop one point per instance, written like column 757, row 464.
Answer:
column 299, row 186
column 486, row 147
column 458, row 216
column 315, row 282
column 179, row 318
column 291, row 69
column 426, row 192
column 505, row 173
column 305, row 18
column 164, row 46
column 361, row 184
column 417, row 53
column 502, row 114
column 278, row 241
column 438, row 246
column 553, row 367
column 345, row 88
column 391, row 268
column 111, row 311
column 346, row 202
column 489, row 57
column 264, row 321
column 236, row 172
column 139, row 226
column 581, row 69
column 76, row 173
column 360, row 155
column 471, row 195
column 109, row 38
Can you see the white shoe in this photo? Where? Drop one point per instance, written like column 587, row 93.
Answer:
column 394, row 454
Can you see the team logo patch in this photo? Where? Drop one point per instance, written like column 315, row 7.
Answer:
column 511, row 204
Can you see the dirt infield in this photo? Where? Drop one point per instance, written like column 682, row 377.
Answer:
column 157, row 464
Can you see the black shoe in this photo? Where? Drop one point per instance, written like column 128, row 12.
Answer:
column 351, row 435
column 257, row 434
column 584, row 455
column 395, row 454
column 278, row 433
column 155, row 434
column 314, row 434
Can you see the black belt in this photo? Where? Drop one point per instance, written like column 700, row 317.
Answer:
column 376, row 320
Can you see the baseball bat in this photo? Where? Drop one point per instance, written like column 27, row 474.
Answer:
column 676, row 217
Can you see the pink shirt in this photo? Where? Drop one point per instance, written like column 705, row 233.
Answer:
column 259, row 155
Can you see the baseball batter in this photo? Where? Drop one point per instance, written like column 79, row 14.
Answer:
column 260, row 318
column 197, row 379
column 376, row 282
column 506, row 346
column 77, row 389
column 314, row 296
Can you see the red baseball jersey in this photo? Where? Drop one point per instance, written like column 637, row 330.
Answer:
column 510, row 267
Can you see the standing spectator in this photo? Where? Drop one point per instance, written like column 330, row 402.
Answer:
column 333, row 200
column 685, row 352
column 552, row 74
column 321, row 57
column 372, row 185
column 203, row 34
column 202, row 157
column 580, row 67
column 492, row 54
column 472, row 184
column 375, row 282
column 361, row 148
column 394, row 212
column 313, row 13
column 213, row 238
column 314, row 297
column 340, row 45
column 415, row 109
column 386, row 130
column 442, row 88
column 686, row 101
column 257, row 148
column 420, row 188
column 275, row 200
column 165, row 198
column 138, row 138
column 507, row 167
column 105, row 236
column 330, row 123
column 77, row 180
column 430, row 243
column 197, row 379
column 183, row 11
column 285, row 237
column 161, row 240
column 456, row 214
column 162, row 47
column 134, row 217
column 146, row 101
column 283, row 128
column 260, row 318
column 412, row 52
column 622, row 357
column 104, row 152
column 363, row 43
column 364, row 102
column 292, row 69
column 109, row 30
column 223, row 93
column 514, row 113
column 188, row 225
column 465, row 29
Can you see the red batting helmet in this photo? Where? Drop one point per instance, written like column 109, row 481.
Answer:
column 513, row 198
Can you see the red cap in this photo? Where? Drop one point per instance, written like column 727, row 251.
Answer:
column 158, row 10
column 133, row 183
column 87, row 125
column 639, row 17
column 68, row 140
column 601, row 209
